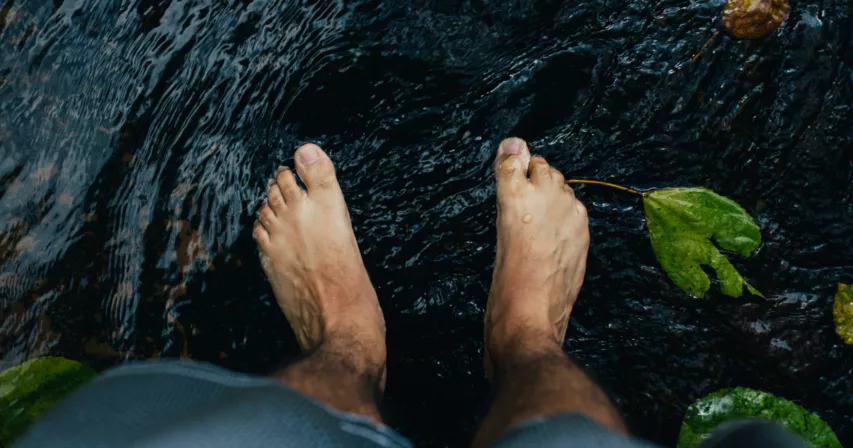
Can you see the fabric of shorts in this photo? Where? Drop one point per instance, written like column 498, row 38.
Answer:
column 188, row 404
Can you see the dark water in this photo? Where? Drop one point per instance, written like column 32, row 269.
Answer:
column 137, row 136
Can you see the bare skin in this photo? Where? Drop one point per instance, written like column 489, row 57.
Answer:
column 543, row 238
column 310, row 256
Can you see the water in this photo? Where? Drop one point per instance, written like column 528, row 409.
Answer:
column 137, row 137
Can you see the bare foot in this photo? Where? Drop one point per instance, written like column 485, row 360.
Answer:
column 543, row 239
column 310, row 255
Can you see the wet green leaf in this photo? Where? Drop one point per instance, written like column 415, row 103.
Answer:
column 30, row 389
column 725, row 405
column 842, row 311
column 683, row 221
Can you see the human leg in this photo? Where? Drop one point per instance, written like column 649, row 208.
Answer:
column 310, row 255
column 543, row 239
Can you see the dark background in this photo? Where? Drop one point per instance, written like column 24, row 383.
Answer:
column 137, row 136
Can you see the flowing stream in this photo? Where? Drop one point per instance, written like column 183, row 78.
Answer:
column 137, row 137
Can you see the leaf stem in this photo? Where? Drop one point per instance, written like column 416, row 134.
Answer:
column 606, row 184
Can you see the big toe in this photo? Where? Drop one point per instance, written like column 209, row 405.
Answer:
column 511, row 165
column 316, row 170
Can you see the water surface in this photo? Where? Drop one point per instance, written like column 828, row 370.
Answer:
column 137, row 137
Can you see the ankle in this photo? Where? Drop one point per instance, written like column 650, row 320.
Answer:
column 345, row 375
column 362, row 350
column 520, row 344
column 359, row 323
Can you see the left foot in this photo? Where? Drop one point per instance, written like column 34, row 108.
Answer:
column 311, row 257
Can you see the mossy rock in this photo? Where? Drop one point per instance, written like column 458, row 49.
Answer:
column 726, row 405
column 30, row 389
column 842, row 313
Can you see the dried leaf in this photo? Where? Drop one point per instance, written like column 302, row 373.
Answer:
column 753, row 19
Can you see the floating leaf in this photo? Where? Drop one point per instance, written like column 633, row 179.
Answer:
column 753, row 19
column 842, row 311
column 682, row 222
column 729, row 404
column 29, row 389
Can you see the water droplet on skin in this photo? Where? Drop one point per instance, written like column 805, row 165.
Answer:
column 528, row 218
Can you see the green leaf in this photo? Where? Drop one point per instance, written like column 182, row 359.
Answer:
column 683, row 221
column 724, row 405
column 30, row 389
column 842, row 311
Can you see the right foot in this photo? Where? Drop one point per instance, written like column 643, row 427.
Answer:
column 311, row 257
column 543, row 237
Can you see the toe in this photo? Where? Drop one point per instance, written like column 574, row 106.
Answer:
column 315, row 169
column 267, row 218
column 540, row 171
column 275, row 199
column 511, row 165
column 558, row 177
column 260, row 234
column 287, row 183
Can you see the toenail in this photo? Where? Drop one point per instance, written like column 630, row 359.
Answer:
column 512, row 146
column 280, row 169
column 527, row 219
column 271, row 182
column 308, row 155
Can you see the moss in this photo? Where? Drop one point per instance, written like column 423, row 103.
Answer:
column 725, row 405
column 30, row 389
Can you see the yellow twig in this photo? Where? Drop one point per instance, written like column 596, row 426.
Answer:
column 699, row 54
column 606, row 184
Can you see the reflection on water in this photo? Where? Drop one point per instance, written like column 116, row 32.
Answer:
column 137, row 136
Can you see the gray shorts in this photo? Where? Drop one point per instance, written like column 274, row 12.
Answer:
column 188, row 404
